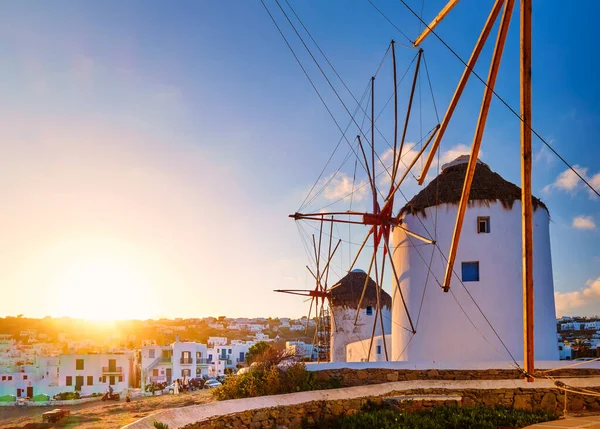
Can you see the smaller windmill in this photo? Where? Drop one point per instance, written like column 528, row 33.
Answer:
column 320, row 297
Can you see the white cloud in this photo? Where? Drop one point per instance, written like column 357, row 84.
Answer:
column 567, row 302
column 584, row 222
column 568, row 181
column 342, row 186
column 454, row 152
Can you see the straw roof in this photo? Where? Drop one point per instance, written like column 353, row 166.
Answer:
column 487, row 187
column 348, row 290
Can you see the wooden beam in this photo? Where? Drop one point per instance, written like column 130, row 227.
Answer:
column 435, row 21
column 487, row 28
column 526, row 206
column 415, row 235
column 408, row 109
column 485, row 107
column 395, row 109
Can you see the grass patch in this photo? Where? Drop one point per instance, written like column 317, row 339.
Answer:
column 451, row 417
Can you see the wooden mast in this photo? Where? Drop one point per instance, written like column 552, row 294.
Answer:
column 485, row 107
column 527, row 212
column 435, row 22
column 461, row 85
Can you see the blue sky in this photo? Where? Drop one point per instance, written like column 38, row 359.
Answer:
column 153, row 150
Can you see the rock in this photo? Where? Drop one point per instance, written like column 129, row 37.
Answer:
column 548, row 402
column 433, row 373
column 522, row 402
column 362, row 374
column 575, row 403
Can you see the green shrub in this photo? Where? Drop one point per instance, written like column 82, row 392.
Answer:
column 269, row 379
column 452, row 417
column 160, row 425
column 66, row 396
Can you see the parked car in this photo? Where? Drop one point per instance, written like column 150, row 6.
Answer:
column 212, row 383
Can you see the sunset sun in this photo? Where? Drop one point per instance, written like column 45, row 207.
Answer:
column 102, row 288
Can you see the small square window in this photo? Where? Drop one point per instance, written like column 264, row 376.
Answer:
column 151, row 354
column 470, row 271
column 79, row 364
column 69, row 380
column 24, row 377
column 483, row 224
column 369, row 310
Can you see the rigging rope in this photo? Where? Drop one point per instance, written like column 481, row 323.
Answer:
column 513, row 111
column 325, row 76
column 307, row 76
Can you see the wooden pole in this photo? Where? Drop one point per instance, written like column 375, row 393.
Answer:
column 527, row 211
column 408, row 109
column 487, row 28
column 435, row 21
column 485, row 107
column 395, row 110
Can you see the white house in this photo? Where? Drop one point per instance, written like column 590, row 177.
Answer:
column 358, row 350
column 487, row 266
column 565, row 351
column 216, row 341
column 93, row 373
column 592, row 325
column 301, row 349
column 167, row 363
column 228, row 356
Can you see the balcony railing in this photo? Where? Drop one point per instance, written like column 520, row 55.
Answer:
column 165, row 359
column 203, row 361
column 112, row 370
column 186, row 361
column 224, row 357
column 238, row 360
column 158, row 378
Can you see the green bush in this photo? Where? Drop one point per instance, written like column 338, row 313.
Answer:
column 453, row 417
column 269, row 379
column 67, row 396
column 160, row 425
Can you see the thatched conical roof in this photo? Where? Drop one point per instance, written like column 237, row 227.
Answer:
column 446, row 188
column 348, row 290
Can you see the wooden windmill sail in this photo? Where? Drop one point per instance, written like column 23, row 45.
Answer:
column 320, row 297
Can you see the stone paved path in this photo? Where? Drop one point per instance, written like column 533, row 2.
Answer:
column 589, row 422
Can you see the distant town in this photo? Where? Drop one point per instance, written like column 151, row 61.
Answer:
column 57, row 356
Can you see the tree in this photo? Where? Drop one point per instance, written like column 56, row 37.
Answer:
column 257, row 351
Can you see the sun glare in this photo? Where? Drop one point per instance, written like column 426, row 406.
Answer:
column 103, row 289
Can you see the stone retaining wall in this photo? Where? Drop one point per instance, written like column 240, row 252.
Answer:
column 319, row 411
column 348, row 377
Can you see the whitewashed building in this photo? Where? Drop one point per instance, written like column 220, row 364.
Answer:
column 345, row 296
column 488, row 266
column 359, row 350
column 167, row 363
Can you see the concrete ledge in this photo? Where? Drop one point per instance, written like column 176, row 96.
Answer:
column 523, row 395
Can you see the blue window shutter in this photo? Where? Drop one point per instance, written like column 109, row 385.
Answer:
column 470, row 271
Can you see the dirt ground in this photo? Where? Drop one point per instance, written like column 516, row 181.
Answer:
column 96, row 415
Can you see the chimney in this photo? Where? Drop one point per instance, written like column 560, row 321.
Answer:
column 177, row 338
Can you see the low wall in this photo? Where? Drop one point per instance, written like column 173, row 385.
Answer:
column 322, row 411
column 347, row 377
column 291, row 409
